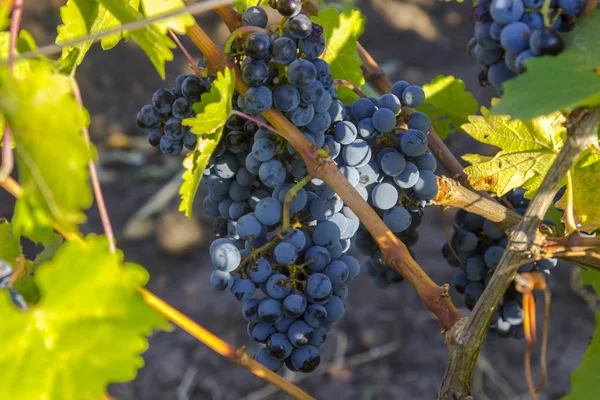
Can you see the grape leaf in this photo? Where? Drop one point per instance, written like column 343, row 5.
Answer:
column 586, row 205
column 10, row 247
column 52, row 155
column 211, row 114
column 243, row 4
column 447, row 104
column 5, row 9
column 341, row 31
column 527, row 149
column 178, row 24
column 584, row 380
column 572, row 76
column 84, row 17
column 87, row 330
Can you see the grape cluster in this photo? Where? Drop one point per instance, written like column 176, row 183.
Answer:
column 5, row 277
column 163, row 118
column 508, row 32
column 480, row 244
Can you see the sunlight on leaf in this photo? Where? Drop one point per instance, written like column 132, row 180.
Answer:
column 177, row 24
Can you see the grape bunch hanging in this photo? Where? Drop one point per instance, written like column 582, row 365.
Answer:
column 476, row 247
column 509, row 32
column 282, row 236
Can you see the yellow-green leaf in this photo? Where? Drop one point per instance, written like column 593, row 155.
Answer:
column 179, row 24
column 586, row 203
column 211, row 114
column 243, row 4
column 5, row 9
column 10, row 247
column 584, row 380
column 447, row 104
column 341, row 31
column 87, row 331
column 527, row 149
column 51, row 153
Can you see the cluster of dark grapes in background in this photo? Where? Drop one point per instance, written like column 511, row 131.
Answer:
column 5, row 277
column 294, row 280
column 508, row 32
column 479, row 245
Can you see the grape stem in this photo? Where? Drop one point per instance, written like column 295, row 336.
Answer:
column 466, row 339
column 8, row 160
column 185, row 53
column 570, row 224
column 434, row 297
column 288, row 200
column 338, row 83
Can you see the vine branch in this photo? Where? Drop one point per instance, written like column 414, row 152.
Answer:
column 466, row 338
column 395, row 253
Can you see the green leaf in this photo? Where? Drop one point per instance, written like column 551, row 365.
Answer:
column 447, row 104
column 178, row 24
column 10, row 246
column 87, row 330
column 341, row 32
column 555, row 83
column 52, row 155
column 211, row 114
column 85, row 17
column 243, row 4
column 5, row 9
column 586, row 205
column 584, row 380
column 527, row 149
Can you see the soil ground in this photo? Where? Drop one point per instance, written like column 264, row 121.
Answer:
column 388, row 345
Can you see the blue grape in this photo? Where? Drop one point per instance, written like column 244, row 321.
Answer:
column 475, row 268
column 170, row 147
column 250, row 310
column 258, row 45
column 313, row 92
column 261, row 331
column 345, row 132
column 337, row 272
column 301, row 73
column 285, row 253
column 498, row 74
column 397, row 218
column 337, row 111
column 319, row 337
column 294, row 305
column 466, row 241
column 520, row 60
column 221, row 280
column 426, row 187
column 279, row 346
column 335, row 309
column 255, row 73
column 413, row 143
column 252, row 164
column 248, row 226
column 398, row 88
column 571, row 7
column 242, row 289
column 320, row 256
column 237, row 209
column 267, row 360
column 238, row 192
column 492, row 230
column 286, row 98
column 289, row 8
column 512, row 313
column 506, row 11
column 270, row 311
column 384, row 120
column 326, row 234
column 255, row 16
column 384, row 196
column 305, row 359
column 296, row 238
column 301, row 115
column 473, row 291
column 390, row 101
column 393, row 163
column 486, row 56
column 226, row 166
column 363, row 108
column 162, row 100
column 259, row 99
column 284, row 324
column 413, row 96
column 190, row 140
column 192, row 88
column 260, row 272
column 224, row 208
column 226, row 257
column 545, row 42
column 547, row 263
column 276, row 286
column 427, row 161
column 318, row 286
column 263, row 149
column 365, row 128
column 315, row 315
column 283, row 50
column 318, row 125
column 357, row 153
column 272, row 173
column 300, row 333
column 324, row 103
column 533, row 20
column 493, row 255
column 419, row 121
column 299, row 26
column 515, row 37
column 244, row 178
column 351, row 174
column 312, row 47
